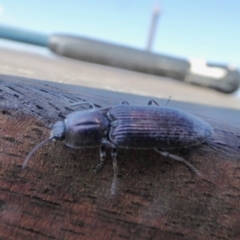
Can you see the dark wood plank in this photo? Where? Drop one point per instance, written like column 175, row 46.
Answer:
column 58, row 196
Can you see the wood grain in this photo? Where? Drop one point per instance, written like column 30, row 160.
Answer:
column 58, row 196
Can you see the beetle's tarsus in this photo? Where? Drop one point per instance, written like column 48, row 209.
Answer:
column 114, row 185
column 180, row 159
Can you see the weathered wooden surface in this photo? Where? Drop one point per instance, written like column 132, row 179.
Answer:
column 58, row 196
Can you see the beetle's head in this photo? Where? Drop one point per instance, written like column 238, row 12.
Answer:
column 58, row 131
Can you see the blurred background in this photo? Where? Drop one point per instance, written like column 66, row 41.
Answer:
column 190, row 31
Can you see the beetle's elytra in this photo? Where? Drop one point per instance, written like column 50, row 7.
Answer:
column 124, row 126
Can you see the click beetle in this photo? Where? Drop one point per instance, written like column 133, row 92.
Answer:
column 162, row 129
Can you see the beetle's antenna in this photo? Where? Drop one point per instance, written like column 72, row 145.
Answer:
column 34, row 150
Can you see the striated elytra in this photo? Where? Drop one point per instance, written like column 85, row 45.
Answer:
column 155, row 127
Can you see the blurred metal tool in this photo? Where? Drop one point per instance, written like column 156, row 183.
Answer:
column 218, row 77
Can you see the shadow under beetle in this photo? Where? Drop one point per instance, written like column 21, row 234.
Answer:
column 124, row 126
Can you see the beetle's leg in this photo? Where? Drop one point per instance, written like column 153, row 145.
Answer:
column 77, row 103
column 180, row 159
column 125, row 103
column 107, row 143
column 114, row 159
column 102, row 159
column 115, row 169
column 168, row 101
column 150, row 102
column 156, row 103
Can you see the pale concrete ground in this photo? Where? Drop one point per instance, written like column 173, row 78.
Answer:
column 117, row 83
